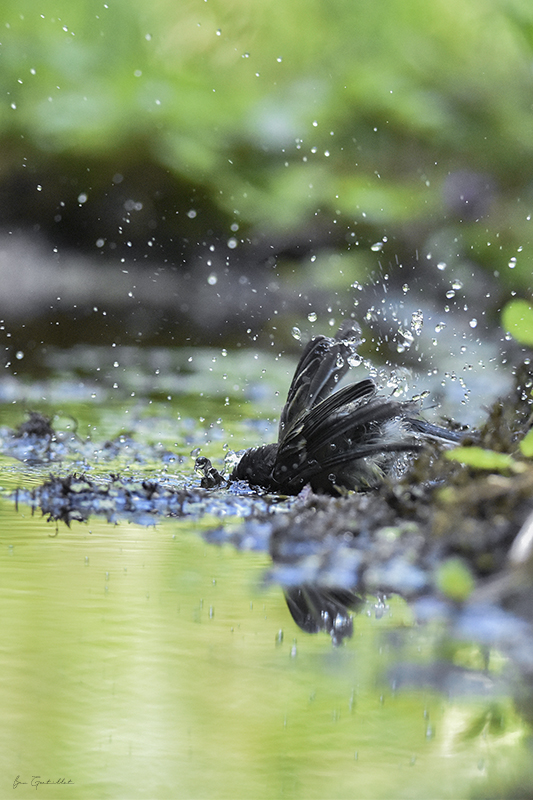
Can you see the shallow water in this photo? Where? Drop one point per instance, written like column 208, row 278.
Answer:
column 144, row 662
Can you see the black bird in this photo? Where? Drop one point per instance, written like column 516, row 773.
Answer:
column 349, row 439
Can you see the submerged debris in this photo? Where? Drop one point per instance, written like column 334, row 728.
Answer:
column 36, row 441
column 400, row 538
column 37, row 425
column 76, row 497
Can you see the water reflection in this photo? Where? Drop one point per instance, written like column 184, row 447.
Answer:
column 316, row 608
column 138, row 661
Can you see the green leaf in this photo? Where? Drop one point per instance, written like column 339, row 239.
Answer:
column 454, row 579
column 517, row 318
column 526, row 445
column 480, row 458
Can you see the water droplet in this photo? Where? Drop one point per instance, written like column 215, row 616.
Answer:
column 441, row 265
column 473, row 323
column 296, row 333
column 417, row 321
column 312, row 316
column 376, row 247
column 212, row 279
column 354, row 359
column 407, row 338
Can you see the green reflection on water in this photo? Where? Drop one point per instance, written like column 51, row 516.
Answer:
column 145, row 663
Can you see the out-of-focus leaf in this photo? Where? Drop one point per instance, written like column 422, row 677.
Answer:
column 454, row 579
column 517, row 318
column 480, row 458
column 526, row 445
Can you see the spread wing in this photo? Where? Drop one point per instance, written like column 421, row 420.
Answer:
column 352, row 431
column 323, row 363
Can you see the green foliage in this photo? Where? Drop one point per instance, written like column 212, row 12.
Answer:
column 526, row 445
column 454, row 579
column 517, row 318
column 357, row 109
column 480, row 458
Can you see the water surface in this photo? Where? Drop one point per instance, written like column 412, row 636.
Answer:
column 141, row 661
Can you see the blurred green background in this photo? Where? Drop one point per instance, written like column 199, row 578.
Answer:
column 271, row 133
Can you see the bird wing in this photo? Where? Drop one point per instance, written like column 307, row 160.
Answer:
column 323, row 363
column 322, row 420
column 350, row 425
